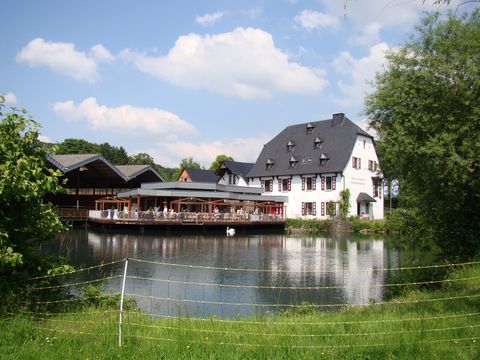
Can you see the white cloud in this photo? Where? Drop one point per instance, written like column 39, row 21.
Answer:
column 311, row 20
column 359, row 71
column 369, row 36
column 63, row 58
column 365, row 125
column 244, row 63
column 241, row 149
column 209, row 19
column 125, row 119
column 100, row 53
column 387, row 13
column 44, row 138
column 10, row 98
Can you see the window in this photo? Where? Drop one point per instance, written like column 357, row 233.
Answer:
column 323, row 159
column 284, row 184
column 329, row 182
column 290, row 146
column 370, row 165
column 309, row 183
column 231, row 179
column 309, row 208
column 356, row 163
column 269, row 164
column 267, row 185
column 317, row 143
column 293, row 161
column 310, row 128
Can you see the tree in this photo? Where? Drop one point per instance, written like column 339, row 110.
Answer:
column 344, row 203
column 219, row 160
column 25, row 220
column 187, row 163
column 141, row 159
column 426, row 110
column 115, row 155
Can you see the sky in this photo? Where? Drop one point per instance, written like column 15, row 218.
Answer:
column 179, row 79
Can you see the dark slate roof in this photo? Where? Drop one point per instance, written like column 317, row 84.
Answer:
column 201, row 175
column 236, row 167
column 336, row 137
column 364, row 197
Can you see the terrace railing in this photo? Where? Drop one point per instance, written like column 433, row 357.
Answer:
column 182, row 217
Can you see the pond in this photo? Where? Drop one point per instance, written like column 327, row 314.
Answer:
column 244, row 275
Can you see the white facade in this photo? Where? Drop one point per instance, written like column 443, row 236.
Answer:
column 232, row 179
column 363, row 178
column 309, row 194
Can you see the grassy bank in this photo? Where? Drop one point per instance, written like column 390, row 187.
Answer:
column 444, row 323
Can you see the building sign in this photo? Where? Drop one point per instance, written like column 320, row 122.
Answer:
column 395, row 188
column 385, row 189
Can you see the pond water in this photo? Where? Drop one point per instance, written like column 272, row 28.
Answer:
column 244, row 275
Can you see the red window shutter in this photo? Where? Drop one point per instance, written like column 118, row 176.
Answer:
column 323, row 209
column 354, row 162
column 323, row 182
column 359, row 163
column 303, row 184
column 280, row 185
column 303, row 208
column 289, row 184
column 271, row 186
column 314, row 208
column 334, row 182
column 314, row 183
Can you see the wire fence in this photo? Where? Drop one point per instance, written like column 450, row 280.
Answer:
column 130, row 295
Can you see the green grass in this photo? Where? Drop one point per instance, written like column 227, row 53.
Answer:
column 413, row 326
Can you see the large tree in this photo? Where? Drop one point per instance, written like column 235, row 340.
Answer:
column 25, row 220
column 426, row 110
column 219, row 160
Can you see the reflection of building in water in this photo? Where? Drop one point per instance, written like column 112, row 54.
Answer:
column 351, row 266
column 344, row 271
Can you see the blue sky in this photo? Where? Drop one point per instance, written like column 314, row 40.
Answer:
column 195, row 79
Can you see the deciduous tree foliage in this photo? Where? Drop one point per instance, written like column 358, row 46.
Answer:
column 426, row 110
column 25, row 221
column 219, row 160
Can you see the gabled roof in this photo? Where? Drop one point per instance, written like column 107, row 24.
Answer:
column 235, row 167
column 69, row 162
column 202, row 175
column 132, row 171
column 337, row 137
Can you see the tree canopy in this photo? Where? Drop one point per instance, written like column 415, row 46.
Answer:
column 219, row 160
column 25, row 221
column 426, row 110
column 115, row 155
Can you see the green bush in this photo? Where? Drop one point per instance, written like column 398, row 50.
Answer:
column 312, row 225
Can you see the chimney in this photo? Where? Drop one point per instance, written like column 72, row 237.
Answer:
column 337, row 119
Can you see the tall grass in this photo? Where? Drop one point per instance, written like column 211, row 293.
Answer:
column 413, row 326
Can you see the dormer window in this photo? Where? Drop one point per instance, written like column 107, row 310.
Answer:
column 317, row 143
column 269, row 164
column 323, row 159
column 310, row 128
column 290, row 146
column 293, row 161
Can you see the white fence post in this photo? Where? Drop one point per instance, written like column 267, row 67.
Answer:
column 121, row 304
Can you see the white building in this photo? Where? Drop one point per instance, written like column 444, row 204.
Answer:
column 234, row 173
column 311, row 163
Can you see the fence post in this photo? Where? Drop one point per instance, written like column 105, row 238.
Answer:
column 121, row 304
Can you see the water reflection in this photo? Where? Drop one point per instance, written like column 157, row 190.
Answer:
column 342, row 271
